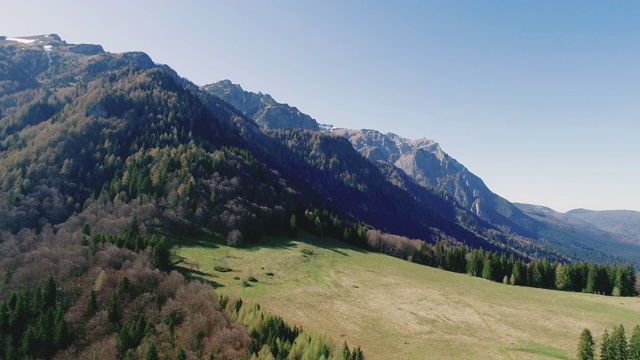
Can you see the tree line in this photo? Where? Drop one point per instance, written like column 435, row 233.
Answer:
column 616, row 280
column 614, row 346
column 587, row 277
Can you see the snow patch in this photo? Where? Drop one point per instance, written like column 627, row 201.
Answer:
column 23, row 41
column 47, row 50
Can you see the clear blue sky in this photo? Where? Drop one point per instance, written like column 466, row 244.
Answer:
column 538, row 98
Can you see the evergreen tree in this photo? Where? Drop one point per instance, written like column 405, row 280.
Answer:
column 92, row 305
column 586, row 346
column 626, row 280
column 181, row 355
column 124, row 340
column 559, row 277
column 346, row 353
column 592, row 275
column 606, row 349
column 487, row 268
column 49, row 293
column 634, row 344
column 152, row 352
column 113, row 307
column 619, row 342
column 536, row 274
column 357, row 354
column 162, row 254
column 61, row 333
column 29, row 342
column 123, row 286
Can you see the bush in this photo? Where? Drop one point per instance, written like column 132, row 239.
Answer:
column 223, row 269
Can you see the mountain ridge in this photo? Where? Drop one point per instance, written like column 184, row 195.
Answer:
column 425, row 163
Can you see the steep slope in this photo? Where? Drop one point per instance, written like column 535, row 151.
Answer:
column 421, row 168
column 101, row 155
column 429, row 166
column 91, row 129
column 392, row 202
column 261, row 107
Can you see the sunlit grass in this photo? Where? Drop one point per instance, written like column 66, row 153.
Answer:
column 398, row 310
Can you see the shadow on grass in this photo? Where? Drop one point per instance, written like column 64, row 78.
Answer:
column 305, row 238
column 199, row 242
column 192, row 274
column 269, row 242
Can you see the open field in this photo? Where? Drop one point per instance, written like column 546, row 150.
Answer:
column 395, row 309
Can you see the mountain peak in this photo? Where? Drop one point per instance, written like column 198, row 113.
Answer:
column 262, row 108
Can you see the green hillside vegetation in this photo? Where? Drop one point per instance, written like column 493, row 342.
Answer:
column 395, row 309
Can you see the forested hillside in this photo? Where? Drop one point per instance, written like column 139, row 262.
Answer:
column 108, row 160
column 426, row 172
column 102, row 156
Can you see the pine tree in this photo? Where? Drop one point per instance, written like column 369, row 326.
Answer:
column 487, row 268
column 123, row 286
column 49, row 294
column 634, row 344
column 152, row 352
column 92, row 306
column 113, row 308
column 357, row 354
column 346, row 353
column 619, row 342
column 586, row 346
column 28, row 342
column 181, row 355
column 591, row 279
column 61, row 333
column 606, row 349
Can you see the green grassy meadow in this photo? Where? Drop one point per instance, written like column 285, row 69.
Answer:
column 394, row 309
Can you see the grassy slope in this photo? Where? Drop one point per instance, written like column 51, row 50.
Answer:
column 395, row 309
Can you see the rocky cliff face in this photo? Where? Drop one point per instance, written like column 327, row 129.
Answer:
column 268, row 113
column 429, row 166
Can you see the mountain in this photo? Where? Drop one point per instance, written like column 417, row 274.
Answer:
column 261, row 107
column 581, row 237
column 421, row 168
column 110, row 159
column 622, row 222
column 90, row 129
column 429, row 166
